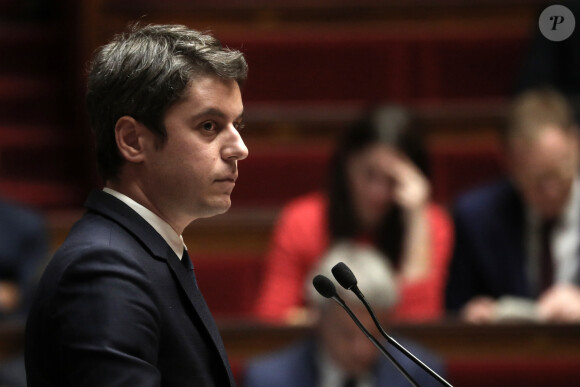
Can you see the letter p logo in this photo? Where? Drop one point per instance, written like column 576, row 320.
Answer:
column 557, row 20
column 556, row 23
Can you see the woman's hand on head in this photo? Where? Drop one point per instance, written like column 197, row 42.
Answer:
column 412, row 189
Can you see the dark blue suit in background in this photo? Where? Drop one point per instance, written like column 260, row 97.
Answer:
column 297, row 366
column 23, row 252
column 489, row 257
column 116, row 307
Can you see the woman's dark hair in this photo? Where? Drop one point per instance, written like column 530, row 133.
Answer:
column 390, row 125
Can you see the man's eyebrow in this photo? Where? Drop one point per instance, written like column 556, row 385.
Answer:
column 215, row 113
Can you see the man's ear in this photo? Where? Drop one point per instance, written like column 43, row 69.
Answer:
column 130, row 136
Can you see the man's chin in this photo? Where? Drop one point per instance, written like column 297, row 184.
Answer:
column 217, row 207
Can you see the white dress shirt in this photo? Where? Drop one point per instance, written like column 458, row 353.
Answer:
column 173, row 239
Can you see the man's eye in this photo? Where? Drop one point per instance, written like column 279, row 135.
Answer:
column 239, row 125
column 208, row 126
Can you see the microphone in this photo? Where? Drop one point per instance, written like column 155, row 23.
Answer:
column 326, row 288
column 347, row 280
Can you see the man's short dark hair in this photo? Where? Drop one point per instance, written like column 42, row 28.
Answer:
column 142, row 72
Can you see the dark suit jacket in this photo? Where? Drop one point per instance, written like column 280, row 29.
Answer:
column 489, row 257
column 116, row 307
column 297, row 366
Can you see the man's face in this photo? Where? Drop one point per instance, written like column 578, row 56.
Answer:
column 348, row 347
column 544, row 169
column 192, row 175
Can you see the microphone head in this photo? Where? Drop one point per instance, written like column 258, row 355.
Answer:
column 344, row 276
column 324, row 286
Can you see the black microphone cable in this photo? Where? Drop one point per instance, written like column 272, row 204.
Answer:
column 347, row 280
column 326, row 288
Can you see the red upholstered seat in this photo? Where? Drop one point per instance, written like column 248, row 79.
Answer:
column 229, row 283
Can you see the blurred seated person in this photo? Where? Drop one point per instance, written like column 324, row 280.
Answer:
column 379, row 194
column 517, row 246
column 23, row 251
column 339, row 354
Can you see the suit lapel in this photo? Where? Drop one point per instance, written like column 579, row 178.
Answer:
column 198, row 302
column 111, row 207
column 513, row 229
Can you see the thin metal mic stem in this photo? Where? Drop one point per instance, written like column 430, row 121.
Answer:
column 393, row 342
column 379, row 346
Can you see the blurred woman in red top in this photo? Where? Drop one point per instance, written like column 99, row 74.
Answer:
column 378, row 193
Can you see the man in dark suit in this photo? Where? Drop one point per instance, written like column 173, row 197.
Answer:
column 517, row 244
column 339, row 354
column 118, row 304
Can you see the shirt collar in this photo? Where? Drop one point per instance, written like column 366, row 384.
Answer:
column 332, row 375
column 174, row 240
column 572, row 208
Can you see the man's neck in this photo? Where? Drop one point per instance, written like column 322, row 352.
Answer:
column 135, row 192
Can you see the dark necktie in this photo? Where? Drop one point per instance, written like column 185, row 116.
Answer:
column 186, row 262
column 349, row 382
column 546, row 276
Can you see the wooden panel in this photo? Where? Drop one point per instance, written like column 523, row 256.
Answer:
column 449, row 339
column 245, row 339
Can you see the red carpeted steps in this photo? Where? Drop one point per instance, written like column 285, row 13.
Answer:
column 42, row 155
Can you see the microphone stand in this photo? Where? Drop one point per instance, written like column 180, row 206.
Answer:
column 393, row 342
column 347, row 280
column 379, row 346
column 325, row 288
